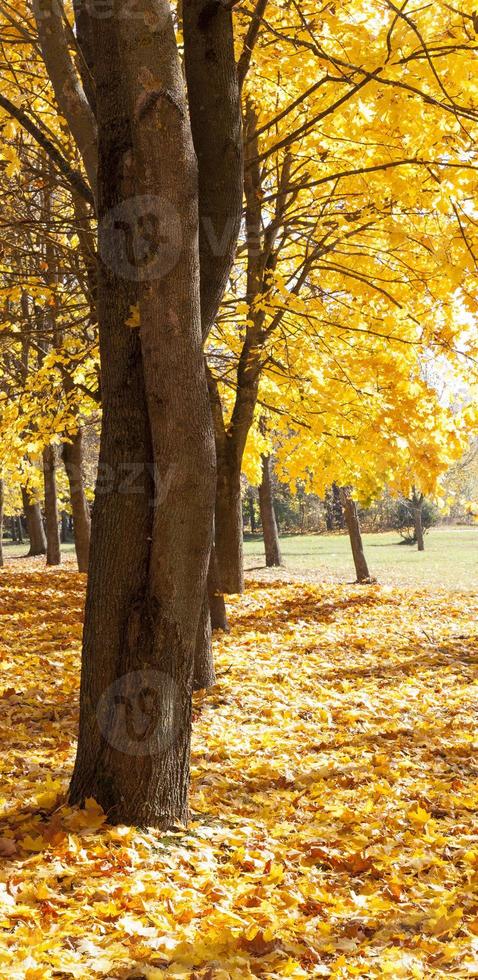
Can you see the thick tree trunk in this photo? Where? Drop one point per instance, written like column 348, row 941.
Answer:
column 229, row 528
column 353, row 527
column 417, row 508
column 268, row 517
column 2, row 498
column 151, row 537
column 73, row 461
column 53, row 546
column 36, row 531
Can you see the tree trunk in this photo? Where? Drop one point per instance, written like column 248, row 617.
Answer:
column 19, row 529
column 229, row 528
column 53, row 547
column 204, row 673
column 217, row 606
column 252, row 512
column 2, row 498
column 152, row 529
column 417, row 508
column 213, row 617
column 36, row 531
column 268, row 517
column 353, row 527
column 64, row 527
column 73, row 461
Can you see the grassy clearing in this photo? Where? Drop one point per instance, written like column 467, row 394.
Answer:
column 450, row 560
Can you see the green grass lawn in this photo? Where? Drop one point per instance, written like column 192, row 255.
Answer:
column 450, row 559
column 21, row 550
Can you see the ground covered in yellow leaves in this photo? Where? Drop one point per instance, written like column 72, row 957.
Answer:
column 334, row 797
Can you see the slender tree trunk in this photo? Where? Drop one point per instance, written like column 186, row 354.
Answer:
column 229, row 528
column 417, row 508
column 353, row 527
column 204, row 673
column 252, row 511
column 36, row 531
column 13, row 529
column 151, row 540
column 19, row 529
column 73, row 460
column 64, row 527
column 2, row 498
column 53, row 546
column 213, row 617
column 268, row 517
column 217, row 605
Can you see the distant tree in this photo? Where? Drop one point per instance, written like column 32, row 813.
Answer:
column 412, row 518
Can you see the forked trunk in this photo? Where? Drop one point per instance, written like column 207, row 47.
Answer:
column 355, row 535
column 152, row 529
column 36, row 531
column 53, row 546
column 268, row 517
column 73, row 461
column 229, row 528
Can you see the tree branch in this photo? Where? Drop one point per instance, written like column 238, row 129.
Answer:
column 73, row 177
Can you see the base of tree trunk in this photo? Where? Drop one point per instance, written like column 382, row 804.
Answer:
column 353, row 527
column 53, row 544
column 268, row 517
column 204, row 673
column 36, row 531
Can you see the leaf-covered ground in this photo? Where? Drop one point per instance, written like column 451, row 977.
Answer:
column 334, row 797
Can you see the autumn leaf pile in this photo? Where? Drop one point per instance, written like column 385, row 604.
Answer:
column 334, row 797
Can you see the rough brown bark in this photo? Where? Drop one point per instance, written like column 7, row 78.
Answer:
column 213, row 617
column 73, row 461
column 217, row 605
column 53, row 546
column 268, row 517
column 204, row 673
column 36, row 531
column 51, row 24
column 151, row 542
column 231, row 440
column 353, row 528
column 215, row 111
column 229, row 526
